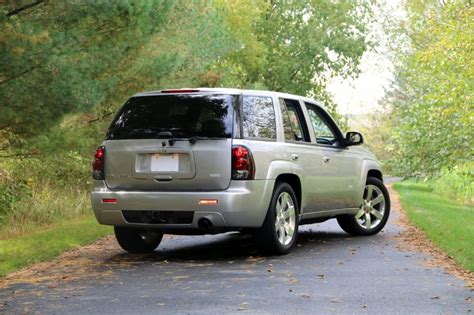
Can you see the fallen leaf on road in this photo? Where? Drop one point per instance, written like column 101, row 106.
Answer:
column 243, row 306
column 180, row 277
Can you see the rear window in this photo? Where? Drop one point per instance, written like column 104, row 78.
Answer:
column 258, row 117
column 174, row 116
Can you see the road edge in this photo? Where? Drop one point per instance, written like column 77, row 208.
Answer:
column 411, row 238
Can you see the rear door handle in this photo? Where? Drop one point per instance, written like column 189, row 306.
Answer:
column 294, row 157
column 326, row 159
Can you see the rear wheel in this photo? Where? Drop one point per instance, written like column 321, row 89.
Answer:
column 373, row 213
column 135, row 240
column 280, row 228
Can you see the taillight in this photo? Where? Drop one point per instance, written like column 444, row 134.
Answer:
column 243, row 165
column 98, row 164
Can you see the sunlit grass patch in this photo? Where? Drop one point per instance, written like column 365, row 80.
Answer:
column 46, row 243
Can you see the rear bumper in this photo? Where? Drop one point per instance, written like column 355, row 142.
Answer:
column 243, row 205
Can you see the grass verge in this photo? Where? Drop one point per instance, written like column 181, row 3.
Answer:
column 447, row 223
column 46, row 243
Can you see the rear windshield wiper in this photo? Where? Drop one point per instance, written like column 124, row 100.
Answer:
column 192, row 140
column 168, row 135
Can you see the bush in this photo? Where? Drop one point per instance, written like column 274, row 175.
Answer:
column 47, row 178
column 456, row 183
column 11, row 193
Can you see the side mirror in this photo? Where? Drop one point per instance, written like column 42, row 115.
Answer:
column 354, row 138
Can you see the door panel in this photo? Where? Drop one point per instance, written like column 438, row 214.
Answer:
column 306, row 157
column 338, row 176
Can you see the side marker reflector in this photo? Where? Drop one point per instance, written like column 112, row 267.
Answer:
column 109, row 200
column 208, row 202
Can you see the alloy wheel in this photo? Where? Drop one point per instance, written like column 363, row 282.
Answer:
column 372, row 210
column 285, row 221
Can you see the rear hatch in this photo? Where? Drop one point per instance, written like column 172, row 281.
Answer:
column 171, row 142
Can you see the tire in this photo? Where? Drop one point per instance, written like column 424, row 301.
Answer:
column 135, row 240
column 283, row 212
column 373, row 213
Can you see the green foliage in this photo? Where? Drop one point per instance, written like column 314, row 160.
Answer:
column 433, row 108
column 66, row 57
column 12, row 192
column 377, row 132
column 33, row 188
column 297, row 45
column 449, row 224
column 456, row 183
column 63, row 56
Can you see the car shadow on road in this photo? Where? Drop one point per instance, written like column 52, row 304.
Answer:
column 230, row 246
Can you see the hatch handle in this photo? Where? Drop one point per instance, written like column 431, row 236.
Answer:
column 163, row 178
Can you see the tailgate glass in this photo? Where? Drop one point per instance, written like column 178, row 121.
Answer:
column 174, row 116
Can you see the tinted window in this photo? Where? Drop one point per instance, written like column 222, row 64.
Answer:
column 293, row 121
column 322, row 131
column 288, row 127
column 176, row 116
column 258, row 117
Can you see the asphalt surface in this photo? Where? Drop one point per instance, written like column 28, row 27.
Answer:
column 328, row 272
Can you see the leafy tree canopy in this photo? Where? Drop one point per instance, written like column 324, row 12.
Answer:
column 296, row 46
column 433, row 96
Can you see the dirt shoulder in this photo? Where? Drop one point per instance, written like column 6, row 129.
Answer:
column 413, row 239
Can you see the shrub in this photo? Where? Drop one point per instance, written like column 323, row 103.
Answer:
column 456, row 183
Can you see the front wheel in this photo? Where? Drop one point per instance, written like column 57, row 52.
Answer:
column 135, row 240
column 373, row 213
column 280, row 228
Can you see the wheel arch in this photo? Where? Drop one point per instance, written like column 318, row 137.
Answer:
column 370, row 168
column 294, row 181
column 375, row 173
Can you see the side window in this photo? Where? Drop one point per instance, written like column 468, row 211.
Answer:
column 322, row 131
column 258, row 117
column 293, row 121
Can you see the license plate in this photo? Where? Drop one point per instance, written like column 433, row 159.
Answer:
column 165, row 162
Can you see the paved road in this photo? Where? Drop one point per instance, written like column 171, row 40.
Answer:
column 328, row 272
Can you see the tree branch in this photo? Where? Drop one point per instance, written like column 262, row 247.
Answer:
column 23, row 8
column 99, row 118
column 294, row 74
column 5, row 79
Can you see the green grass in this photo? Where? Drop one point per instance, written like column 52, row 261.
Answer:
column 449, row 224
column 47, row 243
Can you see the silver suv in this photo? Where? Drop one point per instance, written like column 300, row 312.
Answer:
column 198, row 161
